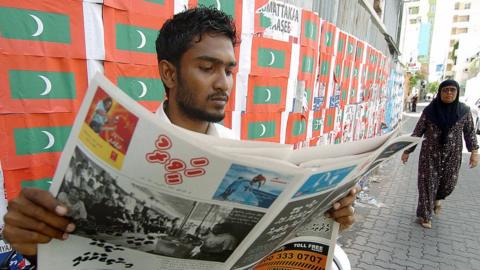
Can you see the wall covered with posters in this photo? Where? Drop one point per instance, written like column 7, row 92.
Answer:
column 300, row 80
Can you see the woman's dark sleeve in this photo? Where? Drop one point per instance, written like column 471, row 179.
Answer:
column 469, row 134
column 419, row 130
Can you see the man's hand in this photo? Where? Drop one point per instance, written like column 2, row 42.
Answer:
column 473, row 159
column 343, row 211
column 405, row 157
column 35, row 217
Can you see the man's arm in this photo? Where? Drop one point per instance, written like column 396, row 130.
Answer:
column 35, row 216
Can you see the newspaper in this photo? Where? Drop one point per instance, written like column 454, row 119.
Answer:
column 145, row 194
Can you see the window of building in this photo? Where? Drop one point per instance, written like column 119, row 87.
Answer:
column 457, row 30
column 459, row 5
column 461, row 18
column 413, row 21
column 413, row 10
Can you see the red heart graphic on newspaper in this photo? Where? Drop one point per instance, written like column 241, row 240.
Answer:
column 175, row 165
column 158, row 157
column 163, row 142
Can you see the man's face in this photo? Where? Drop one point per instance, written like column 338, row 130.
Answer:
column 108, row 105
column 448, row 94
column 205, row 78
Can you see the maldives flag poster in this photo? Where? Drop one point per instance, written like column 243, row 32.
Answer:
column 344, row 93
column 360, row 52
column 44, row 28
column 33, row 139
column 363, row 82
column 130, row 37
column 338, row 70
column 379, row 78
column 31, row 84
column 310, row 35
column 232, row 8
column 266, row 94
column 371, row 72
column 329, row 120
column 327, row 40
column 142, row 83
column 345, row 83
column 309, row 89
column 337, row 77
column 296, row 128
column 372, row 56
column 157, row 8
column 36, row 177
column 270, row 57
column 261, row 126
column 355, row 83
column 324, row 72
column 341, row 45
column 307, row 63
column 351, row 47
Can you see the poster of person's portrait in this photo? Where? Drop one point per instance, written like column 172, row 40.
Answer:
column 126, row 213
column 108, row 129
column 251, row 186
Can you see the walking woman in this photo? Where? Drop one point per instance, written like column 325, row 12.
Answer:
column 442, row 123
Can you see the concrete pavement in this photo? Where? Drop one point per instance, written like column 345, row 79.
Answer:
column 387, row 235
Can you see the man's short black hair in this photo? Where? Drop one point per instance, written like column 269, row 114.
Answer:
column 178, row 33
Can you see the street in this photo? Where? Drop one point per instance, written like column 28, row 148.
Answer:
column 386, row 234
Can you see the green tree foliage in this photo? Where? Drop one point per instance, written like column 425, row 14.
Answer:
column 416, row 78
column 433, row 87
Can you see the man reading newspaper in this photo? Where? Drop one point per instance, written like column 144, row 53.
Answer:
column 196, row 59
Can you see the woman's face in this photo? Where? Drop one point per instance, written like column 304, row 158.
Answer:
column 448, row 94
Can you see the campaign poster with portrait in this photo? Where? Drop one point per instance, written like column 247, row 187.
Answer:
column 108, row 129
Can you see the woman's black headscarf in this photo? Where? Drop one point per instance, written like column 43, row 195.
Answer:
column 445, row 115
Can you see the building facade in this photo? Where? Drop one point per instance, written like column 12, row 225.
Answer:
column 455, row 31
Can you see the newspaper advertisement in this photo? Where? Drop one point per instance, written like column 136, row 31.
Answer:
column 145, row 194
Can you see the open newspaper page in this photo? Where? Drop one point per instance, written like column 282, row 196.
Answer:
column 144, row 197
column 313, row 196
column 316, row 153
column 301, row 234
column 148, row 195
